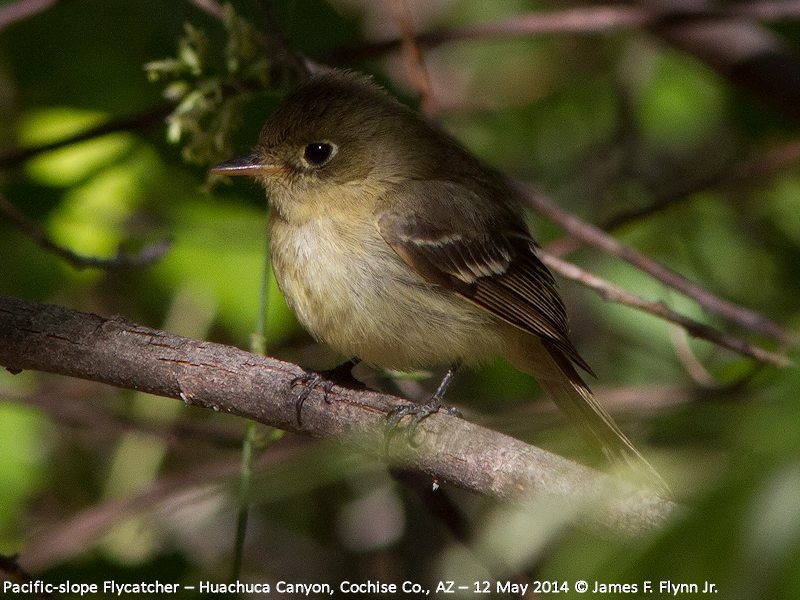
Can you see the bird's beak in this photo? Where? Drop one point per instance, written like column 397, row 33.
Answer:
column 249, row 165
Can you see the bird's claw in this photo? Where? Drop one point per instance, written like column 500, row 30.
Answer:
column 310, row 381
column 340, row 375
column 418, row 413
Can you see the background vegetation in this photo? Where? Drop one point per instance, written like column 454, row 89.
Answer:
column 100, row 483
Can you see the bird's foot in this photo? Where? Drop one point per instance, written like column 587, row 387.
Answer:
column 418, row 413
column 340, row 375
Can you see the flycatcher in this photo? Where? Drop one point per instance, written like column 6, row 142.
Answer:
column 394, row 245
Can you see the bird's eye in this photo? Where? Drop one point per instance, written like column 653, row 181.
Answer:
column 317, row 154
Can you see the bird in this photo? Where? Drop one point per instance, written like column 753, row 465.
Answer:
column 396, row 246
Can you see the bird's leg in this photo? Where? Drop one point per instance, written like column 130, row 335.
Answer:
column 341, row 375
column 433, row 405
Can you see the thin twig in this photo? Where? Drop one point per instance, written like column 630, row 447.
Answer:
column 754, row 168
column 586, row 20
column 258, row 345
column 579, row 20
column 12, row 158
column 19, row 11
column 414, row 59
column 210, row 7
column 594, row 236
column 691, row 364
column 749, row 172
column 745, row 52
column 146, row 256
column 299, row 63
column 613, row 293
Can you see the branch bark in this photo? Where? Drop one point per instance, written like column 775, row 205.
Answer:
column 114, row 351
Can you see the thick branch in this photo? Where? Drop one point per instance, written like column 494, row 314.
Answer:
column 114, row 351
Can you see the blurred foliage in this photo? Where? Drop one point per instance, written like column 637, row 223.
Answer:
column 98, row 483
column 208, row 96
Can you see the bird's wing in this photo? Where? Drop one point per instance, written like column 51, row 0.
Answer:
column 493, row 265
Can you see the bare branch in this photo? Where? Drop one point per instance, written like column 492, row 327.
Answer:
column 415, row 62
column 765, row 10
column 210, row 7
column 591, row 20
column 12, row 158
column 757, row 167
column 585, row 20
column 113, row 351
column 21, row 10
column 613, row 293
column 147, row 256
column 298, row 62
column 748, row 54
column 749, row 173
column 594, row 236
column 74, row 535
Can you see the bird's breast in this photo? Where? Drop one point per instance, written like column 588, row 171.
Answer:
column 350, row 290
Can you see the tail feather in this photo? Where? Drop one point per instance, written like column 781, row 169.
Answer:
column 566, row 388
column 581, row 407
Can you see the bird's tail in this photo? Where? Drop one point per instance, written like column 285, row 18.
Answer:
column 556, row 374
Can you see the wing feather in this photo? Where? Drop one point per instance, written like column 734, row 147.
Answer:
column 501, row 274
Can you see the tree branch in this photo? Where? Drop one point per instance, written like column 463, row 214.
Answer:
column 114, row 351
column 596, row 237
column 748, row 54
column 146, row 256
column 21, row 10
column 584, row 20
column 14, row 157
column 749, row 172
column 613, row 293
column 211, row 7
column 414, row 60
